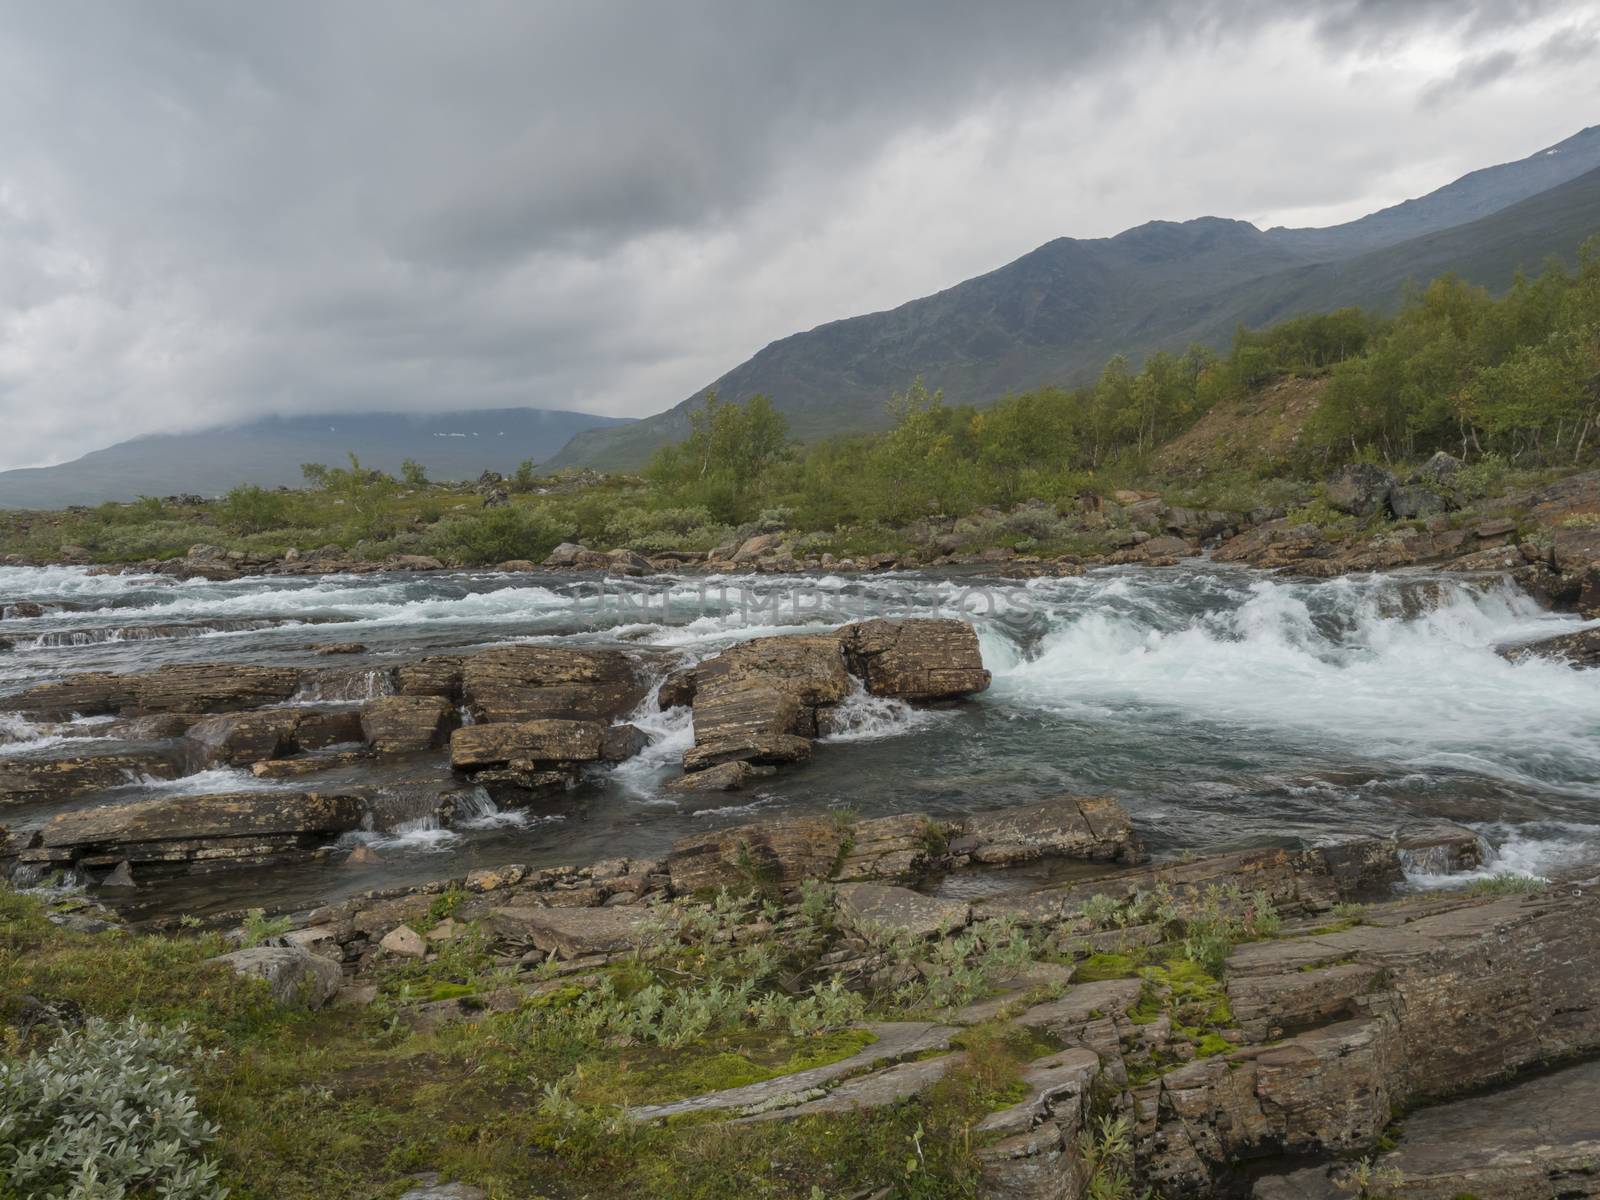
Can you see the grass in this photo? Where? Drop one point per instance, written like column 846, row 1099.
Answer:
column 349, row 1103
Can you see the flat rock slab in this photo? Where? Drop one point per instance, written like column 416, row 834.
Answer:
column 197, row 817
column 1508, row 1143
column 539, row 741
column 1055, row 1082
column 571, row 932
column 877, row 1090
column 882, row 906
column 896, row 1039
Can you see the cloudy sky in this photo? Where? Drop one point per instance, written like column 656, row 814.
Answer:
column 213, row 211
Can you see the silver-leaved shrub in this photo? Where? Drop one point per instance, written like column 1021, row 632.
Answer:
column 106, row 1112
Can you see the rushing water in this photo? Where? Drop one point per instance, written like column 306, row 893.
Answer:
column 1226, row 708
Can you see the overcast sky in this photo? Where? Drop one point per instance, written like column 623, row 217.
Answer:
column 212, row 211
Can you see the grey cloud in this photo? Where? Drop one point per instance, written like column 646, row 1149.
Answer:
column 210, row 212
column 1469, row 77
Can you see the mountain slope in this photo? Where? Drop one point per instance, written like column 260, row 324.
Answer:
column 269, row 452
column 1056, row 314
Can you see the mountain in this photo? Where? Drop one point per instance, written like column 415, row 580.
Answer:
column 269, row 452
column 1056, row 314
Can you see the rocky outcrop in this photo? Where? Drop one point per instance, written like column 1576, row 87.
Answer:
column 1360, row 489
column 1580, row 649
column 525, row 683
column 782, row 854
column 916, row 660
column 33, row 779
column 534, row 742
column 761, row 702
column 181, row 688
column 194, row 833
column 406, row 724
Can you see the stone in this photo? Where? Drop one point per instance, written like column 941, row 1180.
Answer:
column 621, row 742
column 181, row 687
column 1440, row 470
column 565, row 555
column 677, row 689
column 1577, row 650
column 404, row 942
column 177, row 834
column 1086, row 827
column 435, row 675
column 753, row 548
column 363, row 856
column 524, row 683
column 868, row 906
column 1360, row 489
column 893, row 1039
column 429, row 1188
column 406, row 724
column 628, row 562
column 918, row 660
column 781, row 853
column 1409, row 501
column 120, row 877
column 570, row 932
column 1441, row 848
column 295, row 976
column 724, row 777
column 29, row 780
column 239, row 739
column 547, row 741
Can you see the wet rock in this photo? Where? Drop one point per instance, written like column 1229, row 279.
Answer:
column 180, row 688
column 429, row 1188
column 571, row 932
column 621, row 742
column 627, row 562
column 172, row 835
column 868, row 906
column 524, row 683
column 751, row 724
column 414, row 562
column 777, row 853
column 1578, row 650
column 477, row 746
column 1441, row 848
column 31, row 780
column 677, row 689
column 120, row 877
column 565, row 555
column 436, row 675
column 406, row 724
column 239, row 739
column 296, row 977
column 363, row 856
column 1085, row 827
column 918, row 660
column 724, row 777
column 339, row 648
column 1360, row 489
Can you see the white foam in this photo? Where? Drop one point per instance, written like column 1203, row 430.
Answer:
column 864, row 717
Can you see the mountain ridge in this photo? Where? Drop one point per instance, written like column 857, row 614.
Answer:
column 1058, row 312
column 269, row 451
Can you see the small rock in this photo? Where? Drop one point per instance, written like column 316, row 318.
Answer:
column 121, row 876
column 405, row 942
column 363, row 856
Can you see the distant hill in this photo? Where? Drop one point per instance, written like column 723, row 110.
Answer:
column 1056, row 314
column 269, row 452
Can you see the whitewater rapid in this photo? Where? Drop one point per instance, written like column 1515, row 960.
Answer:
column 1223, row 706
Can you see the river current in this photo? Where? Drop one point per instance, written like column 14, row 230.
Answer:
column 1226, row 708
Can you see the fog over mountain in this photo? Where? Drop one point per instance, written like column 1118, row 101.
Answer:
column 209, row 217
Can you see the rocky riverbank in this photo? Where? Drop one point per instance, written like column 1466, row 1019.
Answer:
column 1266, row 1023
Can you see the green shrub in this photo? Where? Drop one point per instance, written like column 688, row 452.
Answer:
column 107, row 1111
column 498, row 534
column 251, row 509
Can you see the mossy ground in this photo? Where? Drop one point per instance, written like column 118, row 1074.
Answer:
column 351, row 1103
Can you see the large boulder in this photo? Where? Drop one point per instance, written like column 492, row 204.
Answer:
column 571, row 932
column 1412, row 500
column 406, row 724
column 1360, row 489
column 295, row 976
column 30, row 780
column 181, row 687
column 474, row 747
column 179, row 834
column 239, row 739
column 919, row 660
column 524, row 683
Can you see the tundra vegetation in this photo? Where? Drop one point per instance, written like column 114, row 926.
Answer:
column 1510, row 385
column 133, row 1066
